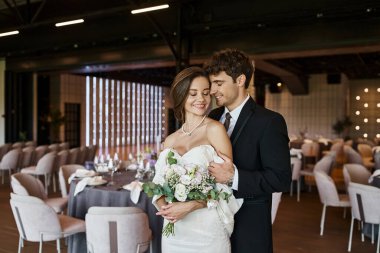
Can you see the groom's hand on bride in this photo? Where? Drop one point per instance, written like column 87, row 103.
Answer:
column 223, row 172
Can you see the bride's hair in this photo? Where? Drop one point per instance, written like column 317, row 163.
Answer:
column 180, row 89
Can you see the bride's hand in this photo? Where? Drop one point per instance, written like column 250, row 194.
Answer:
column 178, row 210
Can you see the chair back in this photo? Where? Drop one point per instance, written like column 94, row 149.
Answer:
column 352, row 156
column 10, row 159
column 276, row 199
column 355, row 173
column 53, row 147
column 91, row 153
column 18, row 144
column 325, row 164
column 4, row 149
column 296, row 164
column 366, row 200
column 64, row 146
column 328, row 193
column 46, row 164
column 27, row 185
column 82, row 155
column 26, row 157
column 73, row 155
column 365, row 150
column 65, row 171
column 33, row 216
column 61, row 159
column 39, row 152
column 125, row 229
column 30, row 144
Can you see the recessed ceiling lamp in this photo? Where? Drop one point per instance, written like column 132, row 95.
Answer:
column 71, row 22
column 9, row 33
column 366, row 90
column 365, row 135
column 153, row 8
column 357, row 97
column 377, row 135
column 357, row 112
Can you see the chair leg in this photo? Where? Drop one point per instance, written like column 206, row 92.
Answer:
column 350, row 238
column 40, row 248
column 46, row 184
column 378, row 240
column 291, row 189
column 20, row 244
column 54, row 182
column 58, row 246
column 151, row 247
column 298, row 190
column 323, row 218
column 362, row 227
column 373, row 234
column 344, row 212
column 2, row 176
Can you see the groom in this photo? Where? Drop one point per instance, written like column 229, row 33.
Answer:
column 260, row 150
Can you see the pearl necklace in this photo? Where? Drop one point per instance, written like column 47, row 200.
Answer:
column 192, row 130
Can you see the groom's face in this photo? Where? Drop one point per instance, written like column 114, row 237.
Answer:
column 224, row 89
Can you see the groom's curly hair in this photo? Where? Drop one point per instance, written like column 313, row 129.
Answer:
column 232, row 61
column 180, row 89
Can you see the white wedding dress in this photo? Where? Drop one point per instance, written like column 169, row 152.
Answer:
column 205, row 230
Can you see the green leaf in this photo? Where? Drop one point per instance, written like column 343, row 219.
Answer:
column 172, row 160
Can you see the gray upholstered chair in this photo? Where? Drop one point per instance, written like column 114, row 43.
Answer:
column 365, row 201
column 296, row 164
column 355, row 173
column 44, row 168
column 73, row 156
column 9, row 162
column 26, row 158
column 124, row 229
column 37, row 222
column 65, row 171
column 328, row 194
column 61, row 160
column 39, row 152
column 27, row 185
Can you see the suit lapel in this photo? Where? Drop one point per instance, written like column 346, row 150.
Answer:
column 245, row 114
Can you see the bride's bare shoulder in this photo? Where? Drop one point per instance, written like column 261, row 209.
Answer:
column 170, row 140
column 214, row 125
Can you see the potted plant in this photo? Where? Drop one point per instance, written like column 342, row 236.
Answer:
column 342, row 126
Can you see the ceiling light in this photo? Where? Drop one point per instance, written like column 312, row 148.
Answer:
column 366, row 90
column 279, row 84
column 9, row 33
column 153, row 8
column 378, row 105
column 365, row 105
column 378, row 89
column 365, row 135
column 357, row 127
column 357, row 97
column 378, row 120
column 71, row 22
column 377, row 135
column 365, row 120
column 357, row 112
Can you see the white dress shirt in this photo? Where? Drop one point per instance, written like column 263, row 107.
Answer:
column 234, row 117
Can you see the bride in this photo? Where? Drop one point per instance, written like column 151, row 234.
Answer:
column 197, row 228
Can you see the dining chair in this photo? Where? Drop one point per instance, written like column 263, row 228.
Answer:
column 9, row 163
column 73, row 155
column 91, row 153
column 276, row 199
column 39, row 152
column 30, row 144
column 64, row 146
column 125, row 229
column 37, row 222
column 82, row 155
column 65, row 171
column 28, row 185
column 61, row 160
column 325, row 165
column 4, row 149
column 376, row 158
column 365, row 151
column 44, row 168
column 328, row 195
column 296, row 165
column 365, row 201
column 352, row 156
column 53, row 147
column 355, row 173
column 18, row 144
column 26, row 157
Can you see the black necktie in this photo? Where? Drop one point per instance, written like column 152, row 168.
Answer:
column 227, row 121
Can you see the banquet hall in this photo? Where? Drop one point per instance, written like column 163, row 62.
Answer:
column 85, row 107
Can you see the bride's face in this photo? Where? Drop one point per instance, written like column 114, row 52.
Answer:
column 199, row 98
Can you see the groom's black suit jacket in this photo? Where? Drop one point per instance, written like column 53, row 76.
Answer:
column 261, row 155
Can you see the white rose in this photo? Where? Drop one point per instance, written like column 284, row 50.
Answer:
column 169, row 173
column 178, row 169
column 158, row 179
column 185, row 179
column 180, row 192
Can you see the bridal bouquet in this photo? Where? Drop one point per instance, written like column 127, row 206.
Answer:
column 180, row 183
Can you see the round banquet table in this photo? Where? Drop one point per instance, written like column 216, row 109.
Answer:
column 110, row 195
